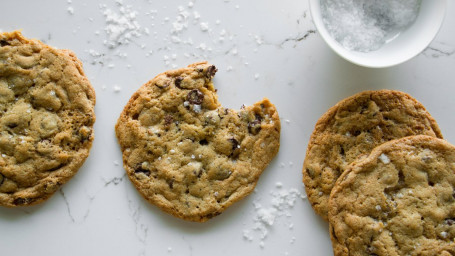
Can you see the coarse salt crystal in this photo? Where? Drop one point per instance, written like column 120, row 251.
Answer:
column 378, row 207
column 384, row 158
column 204, row 26
column 70, row 10
column 172, row 151
column 197, row 108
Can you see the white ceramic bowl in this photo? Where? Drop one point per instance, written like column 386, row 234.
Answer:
column 407, row 45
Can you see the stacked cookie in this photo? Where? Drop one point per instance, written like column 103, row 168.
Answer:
column 377, row 168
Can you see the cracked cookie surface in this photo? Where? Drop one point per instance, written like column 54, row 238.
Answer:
column 187, row 154
column 351, row 129
column 400, row 200
column 46, row 119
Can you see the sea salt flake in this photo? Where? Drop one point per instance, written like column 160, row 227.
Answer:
column 70, row 10
column 384, row 158
column 204, row 26
column 197, row 108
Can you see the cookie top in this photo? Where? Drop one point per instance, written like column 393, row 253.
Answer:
column 46, row 120
column 400, row 200
column 351, row 129
column 187, row 154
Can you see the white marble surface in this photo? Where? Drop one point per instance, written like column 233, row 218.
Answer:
column 262, row 48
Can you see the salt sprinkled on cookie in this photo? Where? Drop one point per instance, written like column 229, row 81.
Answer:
column 384, row 158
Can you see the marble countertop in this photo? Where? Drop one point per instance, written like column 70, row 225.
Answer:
column 262, row 48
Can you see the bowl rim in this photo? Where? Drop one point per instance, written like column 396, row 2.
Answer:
column 353, row 56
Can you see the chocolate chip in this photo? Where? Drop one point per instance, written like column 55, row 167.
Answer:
column 235, row 147
column 195, row 97
column 3, row 42
column 203, row 142
column 211, row 71
column 135, row 116
column 171, row 183
column 2, row 178
column 356, row 133
column 211, row 215
column 168, row 119
column 139, row 169
column 178, row 81
column 12, row 125
column 22, row 201
column 342, row 151
column 234, row 142
column 450, row 221
column 255, row 126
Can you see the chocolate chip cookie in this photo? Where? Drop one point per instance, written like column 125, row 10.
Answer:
column 400, row 200
column 46, row 120
column 351, row 129
column 187, row 154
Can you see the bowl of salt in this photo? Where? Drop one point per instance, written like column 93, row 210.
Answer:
column 378, row 33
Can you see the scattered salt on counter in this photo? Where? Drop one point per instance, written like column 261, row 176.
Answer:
column 366, row 25
column 282, row 202
column 121, row 26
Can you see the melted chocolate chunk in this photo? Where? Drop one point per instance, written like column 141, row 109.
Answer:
column 255, row 126
column 235, row 147
column 22, row 201
column 195, row 97
column 178, row 81
column 203, row 142
column 211, row 71
column 234, row 142
column 3, row 42
column 2, row 179
column 450, row 221
column 12, row 125
column 142, row 170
